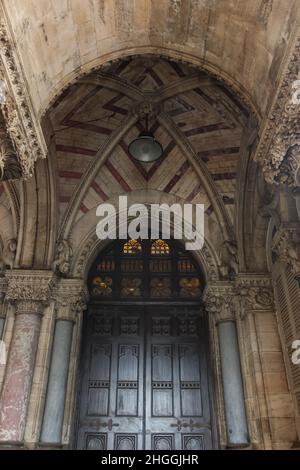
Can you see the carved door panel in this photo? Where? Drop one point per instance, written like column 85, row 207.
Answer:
column 144, row 383
column 111, row 409
column 177, row 412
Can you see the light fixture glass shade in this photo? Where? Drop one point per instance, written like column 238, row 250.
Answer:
column 145, row 148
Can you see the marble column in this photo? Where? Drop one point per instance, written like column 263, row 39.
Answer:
column 220, row 303
column 28, row 290
column 3, row 286
column 70, row 299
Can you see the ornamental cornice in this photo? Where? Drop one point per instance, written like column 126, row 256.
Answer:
column 278, row 148
column 21, row 123
column 29, row 285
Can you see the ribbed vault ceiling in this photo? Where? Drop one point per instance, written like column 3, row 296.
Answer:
column 191, row 111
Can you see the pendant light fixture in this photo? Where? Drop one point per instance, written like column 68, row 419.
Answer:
column 145, row 148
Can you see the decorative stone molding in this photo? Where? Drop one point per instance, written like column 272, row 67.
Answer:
column 286, row 245
column 71, row 297
column 255, row 292
column 63, row 257
column 9, row 164
column 229, row 259
column 7, row 254
column 29, row 290
column 278, row 149
column 219, row 301
column 21, row 123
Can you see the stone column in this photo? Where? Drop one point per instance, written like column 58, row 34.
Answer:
column 3, row 286
column 29, row 291
column 70, row 300
column 220, row 303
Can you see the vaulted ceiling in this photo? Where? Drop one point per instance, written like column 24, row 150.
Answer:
column 243, row 41
column 198, row 121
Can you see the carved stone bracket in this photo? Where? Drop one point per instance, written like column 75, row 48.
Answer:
column 286, row 245
column 22, row 125
column 71, row 297
column 254, row 292
column 29, row 290
column 278, row 149
column 219, row 301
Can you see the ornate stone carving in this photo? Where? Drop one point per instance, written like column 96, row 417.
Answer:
column 9, row 164
column 21, row 123
column 278, row 149
column 64, row 253
column 255, row 292
column 220, row 301
column 70, row 297
column 286, row 245
column 229, row 259
column 30, row 290
column 7, row 254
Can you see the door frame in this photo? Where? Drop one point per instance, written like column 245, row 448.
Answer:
column 209, row 359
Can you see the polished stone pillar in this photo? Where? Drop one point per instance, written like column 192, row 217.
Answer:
column 237, row 432
column 220, row 303
column 70, row 299
column 28, row 290
column 3, row 286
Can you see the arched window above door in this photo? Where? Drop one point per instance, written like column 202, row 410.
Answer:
column 145, row 270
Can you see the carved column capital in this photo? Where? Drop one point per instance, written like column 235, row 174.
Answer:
column 219, row 298
column 71, row 297
column 286, row 246
column 29, row 290
column 255, row 292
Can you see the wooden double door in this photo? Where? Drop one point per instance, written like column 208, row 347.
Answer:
column 145, row 381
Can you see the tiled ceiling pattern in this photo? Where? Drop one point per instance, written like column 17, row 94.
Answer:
column 203, row 111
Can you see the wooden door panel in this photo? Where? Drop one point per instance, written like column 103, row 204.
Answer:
column 145, row 381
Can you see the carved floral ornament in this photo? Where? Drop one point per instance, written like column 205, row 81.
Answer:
column 249, row 292
column 24, row 135
column 30, row 290
column 279, row 148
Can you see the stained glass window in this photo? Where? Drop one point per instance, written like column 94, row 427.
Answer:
column 160, row 247
column 132, row 247
column 145, row 270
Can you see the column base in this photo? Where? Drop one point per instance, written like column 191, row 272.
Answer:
column 50, row 446
column 11, row 445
